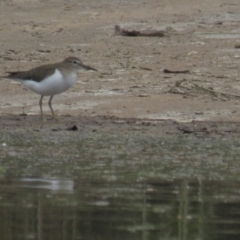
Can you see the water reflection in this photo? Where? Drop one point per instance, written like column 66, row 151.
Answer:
column 54, row 185
column 158, row 209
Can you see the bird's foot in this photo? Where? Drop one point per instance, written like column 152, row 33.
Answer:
column 55, row 117
column 43, row 119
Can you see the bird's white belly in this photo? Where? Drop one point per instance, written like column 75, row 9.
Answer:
column 51, row 85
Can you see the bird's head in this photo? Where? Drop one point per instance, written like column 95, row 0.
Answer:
column 77, row 64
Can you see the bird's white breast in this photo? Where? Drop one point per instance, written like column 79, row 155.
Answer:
column 51, row 85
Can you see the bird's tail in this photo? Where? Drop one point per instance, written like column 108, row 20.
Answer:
column 10, row 75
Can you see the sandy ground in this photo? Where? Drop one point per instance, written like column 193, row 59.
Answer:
column 130, row 82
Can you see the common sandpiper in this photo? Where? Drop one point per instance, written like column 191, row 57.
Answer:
column 50, row 79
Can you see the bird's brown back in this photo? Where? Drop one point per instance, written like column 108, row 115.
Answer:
column 36, row 74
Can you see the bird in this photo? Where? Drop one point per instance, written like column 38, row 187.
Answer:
column 50, row 79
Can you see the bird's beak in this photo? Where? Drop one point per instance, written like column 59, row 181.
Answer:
column 88, row 67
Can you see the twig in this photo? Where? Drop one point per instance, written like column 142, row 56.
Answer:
column 172, row 71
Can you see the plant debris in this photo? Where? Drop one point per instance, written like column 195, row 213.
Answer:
column 189, row 86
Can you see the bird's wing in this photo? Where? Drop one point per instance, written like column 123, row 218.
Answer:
column 36, row 74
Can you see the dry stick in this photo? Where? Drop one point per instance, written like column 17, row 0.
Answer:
column 145, row 33
column 134, row 33
column 172, row 71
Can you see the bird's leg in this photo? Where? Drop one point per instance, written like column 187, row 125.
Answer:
column 50, row 106
column 40, row 104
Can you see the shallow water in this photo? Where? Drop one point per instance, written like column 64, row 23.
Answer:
column 102, row 185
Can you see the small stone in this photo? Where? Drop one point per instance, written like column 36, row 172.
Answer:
column 237, row 45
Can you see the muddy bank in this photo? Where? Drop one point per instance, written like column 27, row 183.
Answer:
column 117, row 149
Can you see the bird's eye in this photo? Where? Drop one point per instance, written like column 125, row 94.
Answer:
column 75, row 62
